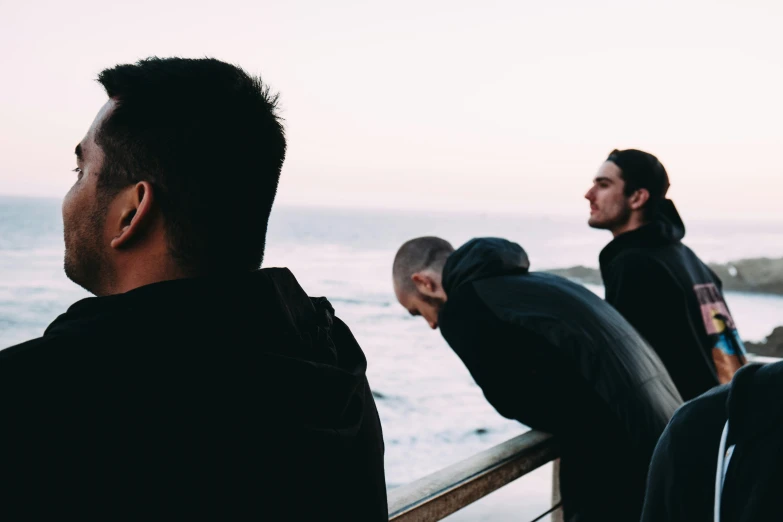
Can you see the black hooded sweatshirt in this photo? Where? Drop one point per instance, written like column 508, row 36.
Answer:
column 554, row 356
column 683, row 473
column 675, row 301
column 222, row 399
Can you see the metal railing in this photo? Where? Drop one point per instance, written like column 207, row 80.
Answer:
column 446, row 491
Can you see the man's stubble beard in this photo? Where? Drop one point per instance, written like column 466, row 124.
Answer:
column 86, row 263
column 616, row 222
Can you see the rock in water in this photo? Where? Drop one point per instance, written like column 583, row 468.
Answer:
column 772, row 347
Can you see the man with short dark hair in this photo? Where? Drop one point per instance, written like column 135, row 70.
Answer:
column 551, row 354
column 659, row 285
column 194, row 385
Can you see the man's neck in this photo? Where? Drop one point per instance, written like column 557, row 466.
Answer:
column 632, row 224
column 145, row 272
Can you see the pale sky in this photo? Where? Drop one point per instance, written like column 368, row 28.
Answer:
column 435, row 104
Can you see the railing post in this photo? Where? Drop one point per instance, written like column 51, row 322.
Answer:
column 557, row 516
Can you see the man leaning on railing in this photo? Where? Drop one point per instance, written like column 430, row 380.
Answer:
column 552, row 355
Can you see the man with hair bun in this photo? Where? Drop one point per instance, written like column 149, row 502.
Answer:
column 659, row 285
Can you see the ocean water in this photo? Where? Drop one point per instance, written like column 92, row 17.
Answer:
column 432, row 412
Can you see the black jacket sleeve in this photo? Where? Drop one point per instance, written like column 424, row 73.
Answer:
column 521, row 374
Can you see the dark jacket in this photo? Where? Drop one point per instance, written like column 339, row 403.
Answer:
column 222, row 399
column 554, row 356
column 675, row 301
column 682, row 479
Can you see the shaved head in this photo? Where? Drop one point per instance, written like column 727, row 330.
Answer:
column 417, row 255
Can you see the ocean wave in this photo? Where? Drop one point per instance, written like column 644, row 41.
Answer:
column 350, row 301
column 772, row 346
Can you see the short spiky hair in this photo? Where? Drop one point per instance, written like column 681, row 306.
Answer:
column 209, row 139
column 419, row 254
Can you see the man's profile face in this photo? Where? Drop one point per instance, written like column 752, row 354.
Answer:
column 609, row 206
column 420, row 305
column 84, row 216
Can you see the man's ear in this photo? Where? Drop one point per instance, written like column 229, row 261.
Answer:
column 639, row 199
column 424, row 283
column 136, row 214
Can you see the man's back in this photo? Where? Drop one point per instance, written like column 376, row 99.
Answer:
column 675, row 301
column 230, row 398
column 682, row 479
column 554, row 356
